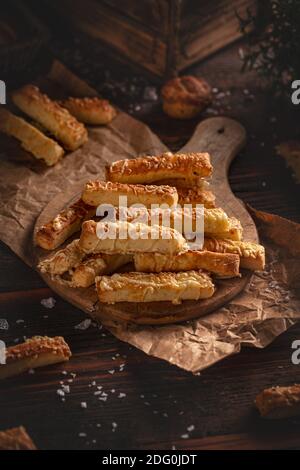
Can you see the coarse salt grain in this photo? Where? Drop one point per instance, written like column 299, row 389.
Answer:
column 49, row 302
column 84, row 325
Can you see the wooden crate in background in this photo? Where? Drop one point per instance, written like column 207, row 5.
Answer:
column 162, row 36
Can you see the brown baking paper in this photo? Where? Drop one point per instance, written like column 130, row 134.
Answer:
column 267, row 307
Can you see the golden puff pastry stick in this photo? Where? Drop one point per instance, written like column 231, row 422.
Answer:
column 63, row 260
column 16, row 439
column 214, row 220
column 196, row 196
column 52, row 234
column 127, row 238
column 279, row 402
column 92, row 111
column 102, row 192
column 37, row 351
column 146, row 170
column 192, row 182
column 234, row 232
column 222, row 264
column 145, row 287
column 94, row 265
column 31, row 139
column 51, row 115
column 252, row 255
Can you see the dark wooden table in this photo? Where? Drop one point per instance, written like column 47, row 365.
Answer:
column 163, row 406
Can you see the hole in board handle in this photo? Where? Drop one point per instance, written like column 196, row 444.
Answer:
column 221, row 130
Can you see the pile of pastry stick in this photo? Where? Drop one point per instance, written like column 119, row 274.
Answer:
column 63, row 121
column 159, row 265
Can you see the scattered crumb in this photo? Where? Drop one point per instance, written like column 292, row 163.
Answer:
column 31, row 371
column 83, row 404
column 122, row 395
column 60, row 392
column 184, row 436
column 82, row 434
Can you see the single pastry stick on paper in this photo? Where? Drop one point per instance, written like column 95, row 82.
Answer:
column 196, row 196
column 37, row 351
column 94, row 111
column 234, row 232
column 279, row 402
column 127, row 238
column 52, row 234
column 144, row 287
column 31, row 139
column 94, row 265
column 63, row 260
column 65, row 128
column 145, row 170
column 16, row 439
column 222, row 264
column 252, row 255
column 101, row 192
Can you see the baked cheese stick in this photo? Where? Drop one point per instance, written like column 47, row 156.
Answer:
column 94, row 265
column 192, row 182
column 63, row 260
column 31, row 139
column 65, row 224
column 127, row 238
column 92, row 111
column 51, row 115
column 234, row 232
column 214, row 220
column 221, row 264
column 146, row 170
column 37, row 351
column 16, row 439
column 279, row 402
column 102, row 192
column 252, row 255
column 196, row 196
column 144, row 287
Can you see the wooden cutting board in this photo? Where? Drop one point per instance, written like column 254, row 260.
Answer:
column 223, row 138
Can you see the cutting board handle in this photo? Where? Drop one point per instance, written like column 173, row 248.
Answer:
column 223, row 138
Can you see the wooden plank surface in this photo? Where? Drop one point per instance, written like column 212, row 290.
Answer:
column 161, row 401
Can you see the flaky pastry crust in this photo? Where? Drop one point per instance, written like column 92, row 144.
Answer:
column 144, row 287
column 146, row 170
